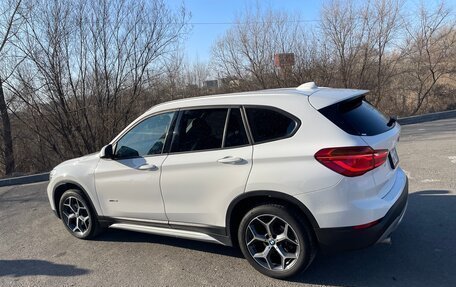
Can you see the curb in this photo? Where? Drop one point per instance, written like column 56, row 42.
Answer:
column 25, row 179
column 427, row 117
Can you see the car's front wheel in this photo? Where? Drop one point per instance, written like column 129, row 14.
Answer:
column 276, row 241
column 77, row 216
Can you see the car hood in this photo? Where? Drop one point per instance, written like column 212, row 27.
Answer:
column 79, row 160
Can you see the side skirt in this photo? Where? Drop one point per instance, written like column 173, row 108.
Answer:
column 195, row 232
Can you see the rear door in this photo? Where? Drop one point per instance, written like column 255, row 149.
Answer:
column 357, row 117
column 207, row 166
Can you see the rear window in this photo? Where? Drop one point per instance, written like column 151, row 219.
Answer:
column 268, row 124
column 357, row 117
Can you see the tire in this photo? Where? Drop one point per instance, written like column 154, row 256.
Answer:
column 279, row 253
column 77, row 215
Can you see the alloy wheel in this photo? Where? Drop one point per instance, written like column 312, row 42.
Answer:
column 76, row 216
column 272, row 242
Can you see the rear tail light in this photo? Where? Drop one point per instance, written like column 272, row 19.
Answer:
column 351, row 161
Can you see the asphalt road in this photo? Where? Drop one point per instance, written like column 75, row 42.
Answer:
column 36, row 250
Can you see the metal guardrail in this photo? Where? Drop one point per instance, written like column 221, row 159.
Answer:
column 25, row 179
column 403, row 121
column 427, row 117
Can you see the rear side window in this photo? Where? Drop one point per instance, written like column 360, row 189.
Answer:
column 357, row 117
column 235, row 131
column 268, row 124
column 200, row 129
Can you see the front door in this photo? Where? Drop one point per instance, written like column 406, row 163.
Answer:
column 128, row 186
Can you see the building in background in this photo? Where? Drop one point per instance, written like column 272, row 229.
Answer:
column 285, row 63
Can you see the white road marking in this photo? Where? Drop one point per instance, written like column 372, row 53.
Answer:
column 430, row 180
column 452, row 158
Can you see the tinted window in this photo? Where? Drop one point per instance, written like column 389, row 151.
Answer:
column 357, row 117
column 146, row 138
column 235, row 131
column 267, row 124
column 200, row 129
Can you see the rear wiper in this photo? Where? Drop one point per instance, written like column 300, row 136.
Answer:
column 391, row 121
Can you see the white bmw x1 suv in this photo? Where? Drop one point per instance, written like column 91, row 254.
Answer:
column 280, row 173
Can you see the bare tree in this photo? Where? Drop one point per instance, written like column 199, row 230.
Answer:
column 341, row 27
column 87, row 66
column 386, row 24
column 373, row 45
column 362, row 38
column 431, row 52
column 11, row 19
column 246, row 51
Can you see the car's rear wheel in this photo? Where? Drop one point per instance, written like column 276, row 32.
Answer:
column 77, row 216
column 276, row 241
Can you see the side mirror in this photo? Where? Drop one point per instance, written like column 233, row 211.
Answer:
column 106, row 152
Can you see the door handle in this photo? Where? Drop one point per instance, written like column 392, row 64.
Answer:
column 231, row 160
column 147, row 167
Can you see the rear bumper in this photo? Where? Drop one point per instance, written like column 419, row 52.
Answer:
column 348, row 238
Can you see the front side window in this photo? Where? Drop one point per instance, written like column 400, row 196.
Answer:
column 200, row 129
column 268, row 124
column 146, row 138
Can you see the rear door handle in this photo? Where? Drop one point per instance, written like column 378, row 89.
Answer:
column 147, row 167
column 231, row 160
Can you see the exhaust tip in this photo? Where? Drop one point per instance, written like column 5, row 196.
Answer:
column 386, row 241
